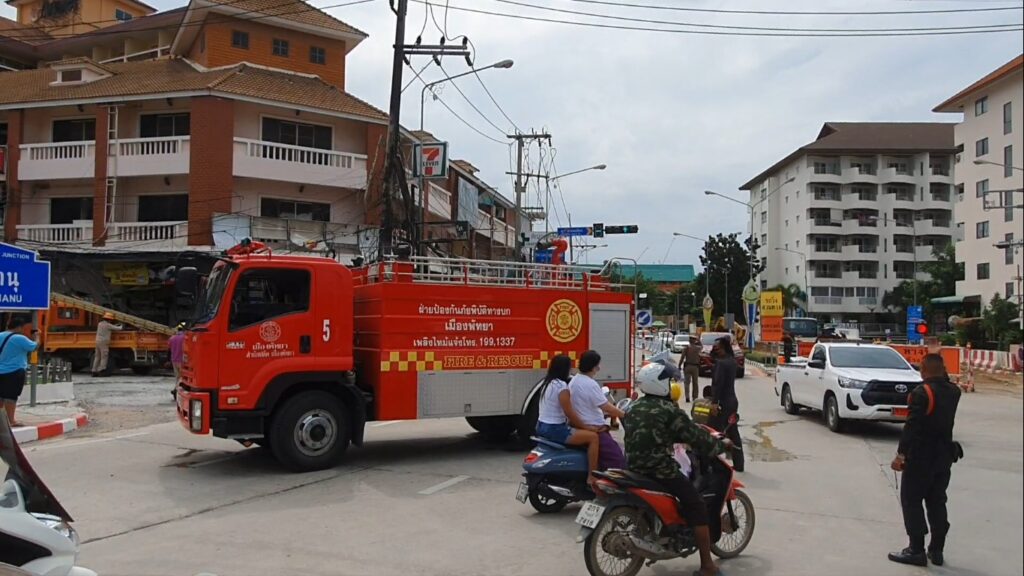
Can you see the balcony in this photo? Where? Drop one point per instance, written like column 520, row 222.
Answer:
column 283, row 233
column 859, row 226
column 887, row 175
column 860, row 174
column 145, row 236
column 825, row 226
column 439, row 202
column 149, row 156
column 860, row 251
column 828, row 300
column 934, row 227
column 495, row 229
column 287, row 163
column 54, row 160
column 857, row 275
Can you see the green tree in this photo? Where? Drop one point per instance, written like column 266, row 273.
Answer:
column 727, row 262
column 793, row 298
column 944, row 273
column 998, row 321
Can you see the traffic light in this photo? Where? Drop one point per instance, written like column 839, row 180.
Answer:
column 598, row 231
column 627, row 229
column 922, row 328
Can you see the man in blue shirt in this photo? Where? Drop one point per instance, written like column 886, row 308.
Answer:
column 15, row 345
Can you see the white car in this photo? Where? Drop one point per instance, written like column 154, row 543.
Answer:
column 848, row 381
column 680, row 342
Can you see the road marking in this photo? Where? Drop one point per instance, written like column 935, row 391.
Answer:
column 385, row 423
column 446, row 484
column 84, row 442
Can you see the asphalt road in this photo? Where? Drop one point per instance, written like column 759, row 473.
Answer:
column 432, row 498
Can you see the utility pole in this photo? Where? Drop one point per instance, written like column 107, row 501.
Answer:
column 521, row 140
column 394, row 172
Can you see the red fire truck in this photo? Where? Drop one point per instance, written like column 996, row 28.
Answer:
column 299, row 353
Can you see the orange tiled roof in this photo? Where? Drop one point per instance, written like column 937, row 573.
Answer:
column 294, row 10
column 178, row 75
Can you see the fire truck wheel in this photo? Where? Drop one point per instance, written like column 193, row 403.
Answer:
column 494, row 428
column 309, row 432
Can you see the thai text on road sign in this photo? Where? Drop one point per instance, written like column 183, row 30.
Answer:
column 24, row 281
column 771, row 304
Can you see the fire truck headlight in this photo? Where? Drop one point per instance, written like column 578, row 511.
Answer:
column 196, row 415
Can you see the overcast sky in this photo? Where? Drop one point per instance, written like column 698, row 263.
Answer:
column 671, row 114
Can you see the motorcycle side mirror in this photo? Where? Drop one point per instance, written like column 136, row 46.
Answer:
column 624, row 404
column 186, row 281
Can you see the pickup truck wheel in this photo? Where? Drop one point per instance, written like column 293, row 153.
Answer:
column 832, row 419
column 494, row 428
column 309, row 432
column 791, row 408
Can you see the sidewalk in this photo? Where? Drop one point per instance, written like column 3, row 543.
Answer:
column 48, row 421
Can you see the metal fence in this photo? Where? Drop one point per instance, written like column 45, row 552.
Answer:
column 53, row 370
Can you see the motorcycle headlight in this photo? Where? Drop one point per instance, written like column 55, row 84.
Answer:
column 852, row 383
column 58, row 524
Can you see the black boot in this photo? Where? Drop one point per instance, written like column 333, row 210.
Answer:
column 936, row 557
column 909, row 556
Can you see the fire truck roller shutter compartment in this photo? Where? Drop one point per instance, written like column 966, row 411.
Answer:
column 475, row 393
column 609, row 335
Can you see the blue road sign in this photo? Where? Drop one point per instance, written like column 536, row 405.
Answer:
column 24, row 281
column 542, row 256
column 577, row 231
column 751, row 316
column 915, row 316
column 644, row 318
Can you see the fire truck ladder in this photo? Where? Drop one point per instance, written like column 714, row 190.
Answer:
column 142, row 323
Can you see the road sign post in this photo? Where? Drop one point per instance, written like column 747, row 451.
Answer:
column 915, row 316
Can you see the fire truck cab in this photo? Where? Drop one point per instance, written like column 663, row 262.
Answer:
column 299, row 353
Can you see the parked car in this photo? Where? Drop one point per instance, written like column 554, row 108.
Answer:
column 848, row 381
column 707, row 340
column 680, row 342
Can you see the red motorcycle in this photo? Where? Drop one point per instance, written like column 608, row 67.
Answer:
column 633, row 520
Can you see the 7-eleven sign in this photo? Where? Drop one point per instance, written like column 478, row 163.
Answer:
column 430, row 160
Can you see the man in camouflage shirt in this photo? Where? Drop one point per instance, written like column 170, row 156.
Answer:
column 654, row 424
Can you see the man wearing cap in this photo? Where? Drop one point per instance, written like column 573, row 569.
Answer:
column 103, row 332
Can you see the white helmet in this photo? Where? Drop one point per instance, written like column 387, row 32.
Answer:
column 656, row 378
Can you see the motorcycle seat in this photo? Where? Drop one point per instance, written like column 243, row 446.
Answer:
column 548, row 443
column 629, row 479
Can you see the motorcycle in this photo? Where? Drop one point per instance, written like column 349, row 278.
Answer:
column 633, row 520
column 35, row 530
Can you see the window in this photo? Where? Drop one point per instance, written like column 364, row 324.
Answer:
column 764, row 284
column 317, row 55
column 764, row 193
column 1008, row 251
column 121, row 15
column 67, row 210
column 280, row 47
column 787, row 246
column 163, row 208
column 981, row 229
column 264, row 294
column 163, row 125
column 787, row 270
column 797, row 219
column 797, row 243
column 764, row 239
column 981, row 147
column 239, row 39
column 983, row 271
column 981, row 106
column 787, row 199
column 1008, row 290
column 959, row 231
column 818, row 355
column 797, row 268
column 295, row 210
column 764, row 217
column 900, row 167
column 297, row 134
column 70, row 76
column 787, row 222
column 764, row 262
column 77, row 130
column 981, row 188
column 1008, row 162
column 1007, row 118
column 1008, row 206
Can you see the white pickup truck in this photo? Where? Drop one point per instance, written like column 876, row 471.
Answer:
column 848, row 381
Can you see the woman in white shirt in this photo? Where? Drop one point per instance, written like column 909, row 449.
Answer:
column 557, row 421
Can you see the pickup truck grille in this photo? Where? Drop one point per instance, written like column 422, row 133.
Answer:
column 885, row 393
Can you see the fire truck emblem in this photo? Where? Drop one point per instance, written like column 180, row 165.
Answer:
column 270, row 331
column 564, row 320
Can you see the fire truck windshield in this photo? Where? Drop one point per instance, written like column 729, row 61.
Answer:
column 213, row 292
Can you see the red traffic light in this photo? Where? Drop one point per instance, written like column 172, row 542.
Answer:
column 922, row 328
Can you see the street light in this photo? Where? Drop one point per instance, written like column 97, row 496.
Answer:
column 423, row 98
column 598, row 167
column 982, row 162
column 807, row 287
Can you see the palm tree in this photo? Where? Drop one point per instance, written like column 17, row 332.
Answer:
column 793, row 298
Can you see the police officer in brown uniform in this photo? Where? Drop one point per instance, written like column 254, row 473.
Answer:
column 925, row 456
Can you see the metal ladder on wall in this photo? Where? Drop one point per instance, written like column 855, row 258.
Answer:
column 111, row 183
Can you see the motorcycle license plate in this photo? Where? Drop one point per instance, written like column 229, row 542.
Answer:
column 523, row 492
column 590, row 515
column 900, row 412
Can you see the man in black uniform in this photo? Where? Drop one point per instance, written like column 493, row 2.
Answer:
column 925, row 457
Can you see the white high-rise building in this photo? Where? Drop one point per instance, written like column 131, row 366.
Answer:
column 990, row 170
column 854, row 213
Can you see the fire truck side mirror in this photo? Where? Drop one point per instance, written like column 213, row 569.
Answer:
column 186, row 281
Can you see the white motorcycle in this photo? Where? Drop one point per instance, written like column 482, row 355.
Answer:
column 36, row 537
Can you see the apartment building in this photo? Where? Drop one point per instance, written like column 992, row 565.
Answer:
column 990, row 177
column 854, row 213
column 194, row 129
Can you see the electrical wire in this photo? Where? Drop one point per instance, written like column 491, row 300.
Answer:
column 728, row 27
column 494, row 101
column 1016, row 28
column 454, row 113
column 470, row 102
column 796, row 13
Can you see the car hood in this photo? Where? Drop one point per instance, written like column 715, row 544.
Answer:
column 885, row 374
